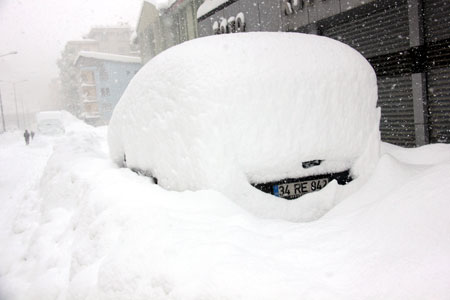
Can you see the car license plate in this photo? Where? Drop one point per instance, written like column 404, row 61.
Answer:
column 294, row 190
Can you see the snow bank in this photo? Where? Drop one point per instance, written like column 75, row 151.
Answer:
column 57, row 122
column 220, row 111
column 74, row 226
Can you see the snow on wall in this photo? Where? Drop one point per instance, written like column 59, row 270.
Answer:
column 161, row 4
column 208, row 6
column 220, row 111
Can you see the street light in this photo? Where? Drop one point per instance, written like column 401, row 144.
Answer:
column 9, row 53
column 1, row 103
column 3, row 116
column 15, row 99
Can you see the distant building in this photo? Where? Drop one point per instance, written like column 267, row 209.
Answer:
column 160, row 28
column 103, row 78
column 72, row 48
column 67, row 73
column 406, row 41
column 54, row 101
column 116, row 39
column 111, row 39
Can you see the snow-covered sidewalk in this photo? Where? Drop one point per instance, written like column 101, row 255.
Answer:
column 74, row 226
column 21, row 168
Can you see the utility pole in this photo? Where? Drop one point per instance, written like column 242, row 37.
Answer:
column 15, row 100
column 1, row 103
column 3, row 116
column 24, row 118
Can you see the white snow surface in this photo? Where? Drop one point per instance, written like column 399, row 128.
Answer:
column 75, row 226
column 222, row 111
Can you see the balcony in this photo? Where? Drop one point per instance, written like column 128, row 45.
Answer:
column 91, row 115
column 87, row 85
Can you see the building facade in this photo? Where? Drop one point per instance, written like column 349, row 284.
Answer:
column 406, row 41
column 111, row 39
column 160, row 28
column 103, row 77
column 68, row 72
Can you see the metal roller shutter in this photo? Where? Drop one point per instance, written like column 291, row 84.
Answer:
column 397, row 115
column 378, row 28
column 380, row 31
column 436, row 20
column 439, row 105
column 437, row 36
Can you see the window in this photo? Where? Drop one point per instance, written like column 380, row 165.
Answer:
column 103, row 75
column 104, row 92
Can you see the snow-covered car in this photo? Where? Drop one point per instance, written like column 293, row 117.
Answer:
column 283, row 112
column 50, row 122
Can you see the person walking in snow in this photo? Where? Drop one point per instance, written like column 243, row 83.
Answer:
column 32, row 134
column 26, row 135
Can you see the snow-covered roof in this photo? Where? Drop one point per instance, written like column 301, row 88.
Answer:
column 208, row 6
column 161, row 4
column 108, row 56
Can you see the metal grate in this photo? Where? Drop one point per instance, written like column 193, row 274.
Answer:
column 397, row 112
column 436, row 19
column 380, row 30
column 437, row 37
column 439, row 105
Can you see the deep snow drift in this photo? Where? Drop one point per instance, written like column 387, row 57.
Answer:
column 222, row 111
column 75, row 226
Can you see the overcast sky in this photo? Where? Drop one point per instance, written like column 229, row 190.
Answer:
column 39, row 29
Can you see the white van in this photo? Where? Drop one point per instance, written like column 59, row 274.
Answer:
column 50, row 123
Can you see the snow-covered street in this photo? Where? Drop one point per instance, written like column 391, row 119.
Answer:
column 75, row 226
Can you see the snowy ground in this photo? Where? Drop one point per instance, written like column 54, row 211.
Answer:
column 74, row 226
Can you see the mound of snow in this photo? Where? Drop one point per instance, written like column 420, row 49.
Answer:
column 74, row 226
column 220, row 111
